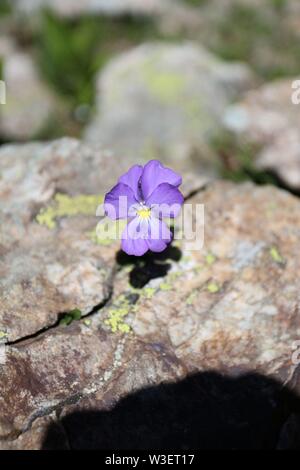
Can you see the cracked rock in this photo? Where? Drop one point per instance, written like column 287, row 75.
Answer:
column 230, row 306
column 50, row 261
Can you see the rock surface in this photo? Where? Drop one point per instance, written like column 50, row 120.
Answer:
column 29, row 106
column 165, row 100
column 268, row 119
column 56, row 260
column 231, row 307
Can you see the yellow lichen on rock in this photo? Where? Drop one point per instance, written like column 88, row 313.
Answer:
column 108, row 231
column 165, row 85
column 116, row 314
column 68, row 206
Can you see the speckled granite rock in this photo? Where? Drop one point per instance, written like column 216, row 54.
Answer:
column 29, row 103
column 268, row 119
column 166, row 100
column 230, row 307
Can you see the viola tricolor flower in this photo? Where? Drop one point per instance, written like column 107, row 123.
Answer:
column 145, row 195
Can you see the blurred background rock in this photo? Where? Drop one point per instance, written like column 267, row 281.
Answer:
column 168, row 79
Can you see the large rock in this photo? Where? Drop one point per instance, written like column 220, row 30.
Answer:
column 117, row 378
column 165, row 101
column 30, row 106
column 268, row 120
column 55, row 260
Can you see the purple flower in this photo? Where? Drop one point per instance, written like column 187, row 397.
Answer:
column 145, row 195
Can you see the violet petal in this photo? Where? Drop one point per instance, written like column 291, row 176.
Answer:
column 165, row 201
column 154, row 174
column 132, row 246
column 118, row 201
column 132, row 178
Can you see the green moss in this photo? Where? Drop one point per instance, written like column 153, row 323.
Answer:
column 3, row 334
column 213, row 288
column 68, row 318
column 68, row 206
column 275, row 255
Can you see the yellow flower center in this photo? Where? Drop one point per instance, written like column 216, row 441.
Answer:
column 144, row 213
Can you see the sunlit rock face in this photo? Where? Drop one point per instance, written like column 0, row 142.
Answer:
column 165, row 101
column 231, row 305
column 51, row 259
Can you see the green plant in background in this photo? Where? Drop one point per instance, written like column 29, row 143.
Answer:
column 70, row 52
column 5, row 7
column 67, row 55
column 237, row 161
column 196, row 3
column 237, row 30
column 259, row 37
column 278, row 4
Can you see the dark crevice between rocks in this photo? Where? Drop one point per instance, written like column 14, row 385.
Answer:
column 281, row 184
column 238, row 162
column 61, row 315
column 198, row 190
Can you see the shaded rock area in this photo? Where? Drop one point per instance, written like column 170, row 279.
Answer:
column 167, row 101
column 268, row 120
column 30, row 105
column 182, row 349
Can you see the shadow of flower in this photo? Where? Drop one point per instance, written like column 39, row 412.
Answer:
column 150, row 266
